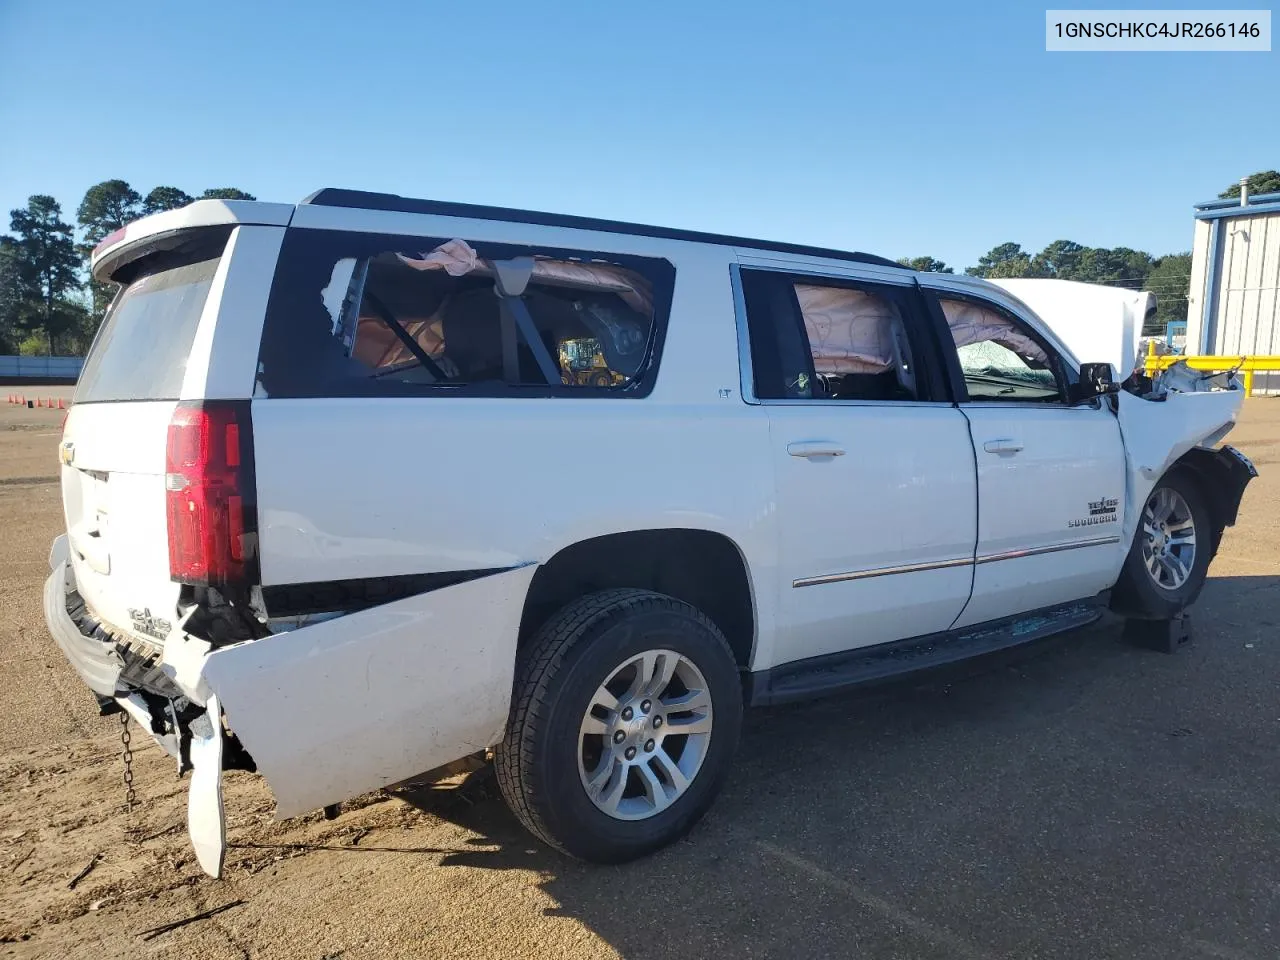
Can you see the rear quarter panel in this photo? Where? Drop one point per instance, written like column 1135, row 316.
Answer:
column 366, row 700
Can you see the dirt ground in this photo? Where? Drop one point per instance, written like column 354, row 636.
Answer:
column 1085, row 799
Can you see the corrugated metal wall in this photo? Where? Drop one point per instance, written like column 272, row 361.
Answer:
column 1247, row 314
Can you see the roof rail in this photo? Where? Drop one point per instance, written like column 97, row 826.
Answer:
column 359, row 199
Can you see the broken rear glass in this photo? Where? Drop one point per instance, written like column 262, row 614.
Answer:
column 348, row 317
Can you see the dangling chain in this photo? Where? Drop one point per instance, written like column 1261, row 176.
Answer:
column 127, row 755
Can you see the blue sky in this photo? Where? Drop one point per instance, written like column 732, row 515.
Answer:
column 904, row 129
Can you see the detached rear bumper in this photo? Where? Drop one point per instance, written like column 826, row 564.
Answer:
column 97, row 663
column 326, row 711
column 100, row 667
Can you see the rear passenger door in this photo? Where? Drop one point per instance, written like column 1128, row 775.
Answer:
column 874, row 466
column 1051, row 474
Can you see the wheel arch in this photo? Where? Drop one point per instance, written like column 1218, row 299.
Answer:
column 704, row 568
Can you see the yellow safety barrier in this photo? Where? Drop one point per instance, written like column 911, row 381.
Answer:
column 1248, row 365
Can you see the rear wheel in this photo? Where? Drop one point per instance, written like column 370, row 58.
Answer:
column 623, row 725
column 1169, row 558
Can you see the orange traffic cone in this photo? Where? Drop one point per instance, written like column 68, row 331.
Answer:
column 60, row 405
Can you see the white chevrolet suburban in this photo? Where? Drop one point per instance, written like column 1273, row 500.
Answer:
column 359, row 487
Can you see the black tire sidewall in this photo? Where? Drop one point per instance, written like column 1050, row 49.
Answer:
column 1143, row 596
column 605, row 644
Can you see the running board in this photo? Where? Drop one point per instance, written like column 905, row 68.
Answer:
column 819, row 676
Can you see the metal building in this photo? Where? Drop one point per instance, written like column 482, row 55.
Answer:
column 1234, row 300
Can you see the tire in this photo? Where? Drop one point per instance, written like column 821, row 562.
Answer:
column 602, row 380
column 1139, row 593
column 545, row 759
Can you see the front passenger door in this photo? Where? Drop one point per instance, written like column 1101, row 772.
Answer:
column 1051, row 475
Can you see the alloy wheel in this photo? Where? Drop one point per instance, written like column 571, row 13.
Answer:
column 1169, row 539
column 644, row 735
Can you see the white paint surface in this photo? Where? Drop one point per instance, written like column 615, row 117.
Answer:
column 1068, row 457
column 350, row 705
column 206, row 823
column 902, row 493
column 1158, row 433
column 1100, row 324
column 119, row 523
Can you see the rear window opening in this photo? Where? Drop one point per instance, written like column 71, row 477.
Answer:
column 141, row 349
column 355, row 316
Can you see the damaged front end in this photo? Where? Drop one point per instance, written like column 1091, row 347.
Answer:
column 325, row 708
column 1177, row 418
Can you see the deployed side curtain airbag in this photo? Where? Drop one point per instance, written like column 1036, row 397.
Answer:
column 458, row 258
column 622, row 339
column 971, row 323
column 850, row 331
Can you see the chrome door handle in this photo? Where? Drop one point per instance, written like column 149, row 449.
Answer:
column 1004, row 445
column 815, row 448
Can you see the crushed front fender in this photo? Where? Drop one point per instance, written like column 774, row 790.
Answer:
column 1159, row 432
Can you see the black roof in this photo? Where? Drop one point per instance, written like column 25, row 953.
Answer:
column 359, row 199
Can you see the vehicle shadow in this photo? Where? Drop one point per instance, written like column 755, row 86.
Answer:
column 1079, row 797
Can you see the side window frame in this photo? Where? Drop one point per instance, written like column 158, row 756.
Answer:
column 932, row 381
column 1064, row 374
column 303, row 247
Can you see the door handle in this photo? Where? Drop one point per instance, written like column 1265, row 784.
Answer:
column 1005, row 445
column 815, row 448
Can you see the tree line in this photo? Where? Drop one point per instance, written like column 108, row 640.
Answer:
column 1167, row 276
column 49, row 303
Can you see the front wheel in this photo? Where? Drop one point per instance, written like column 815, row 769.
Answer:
column 624, row 720
column 1169, row 558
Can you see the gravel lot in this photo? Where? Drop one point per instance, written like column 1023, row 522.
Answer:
column 1087, row 799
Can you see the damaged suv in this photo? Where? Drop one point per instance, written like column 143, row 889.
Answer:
column 362, row 486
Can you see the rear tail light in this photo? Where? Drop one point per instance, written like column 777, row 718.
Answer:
column 209, row 493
